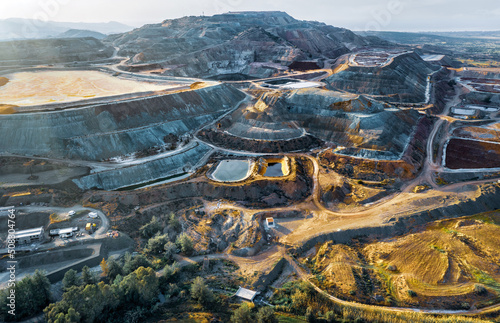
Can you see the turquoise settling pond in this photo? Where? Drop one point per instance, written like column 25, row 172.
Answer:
column 232, row 170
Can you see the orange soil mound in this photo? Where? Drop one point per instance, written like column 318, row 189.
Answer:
column 7, row 109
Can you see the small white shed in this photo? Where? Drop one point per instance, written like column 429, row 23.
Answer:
column 246, row 294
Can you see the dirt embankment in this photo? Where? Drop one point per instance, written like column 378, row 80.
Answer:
column 378, row 170
column 3, row 81
column 367, row 180
column 450, row 264
column 222, row 139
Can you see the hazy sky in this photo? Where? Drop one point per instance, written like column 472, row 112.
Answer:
column 411, row 15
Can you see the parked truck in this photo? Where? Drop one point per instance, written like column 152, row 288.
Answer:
column 90, row 227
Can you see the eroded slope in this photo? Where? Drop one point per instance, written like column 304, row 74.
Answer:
column 404, row 79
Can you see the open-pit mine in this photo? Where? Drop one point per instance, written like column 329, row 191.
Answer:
column 294, row 149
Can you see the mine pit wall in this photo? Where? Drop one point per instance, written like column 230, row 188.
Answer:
column 489, row 200
column 442, row 91
column 144, row 172
column 406, row 167
column 338, row 118
column 221, row 139
column 404, row 80
column 483, row 97
column 124, row 127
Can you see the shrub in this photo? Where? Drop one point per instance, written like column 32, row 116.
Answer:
column 331, row 317
column 150, row 229
column 185, row 243
column 170, row 250
column 310, row 316
column 266, row 315
column 242, row 315
column 200, row 292
column 70, row 279
column 133, row 263
column 157, row 243
column 480, row 289
column 170, row 270
column 88, row 277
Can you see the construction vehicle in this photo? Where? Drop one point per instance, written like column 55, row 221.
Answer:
column 90, row 227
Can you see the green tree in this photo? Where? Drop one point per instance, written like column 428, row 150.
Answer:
column 70, row 279
column 299, row 301
column 72, row 317
column 140, row 286
column 200, row 292
column 174, row 223
column 133, row 263
column 266, row 315
column 170, row 250
column 91, row 303
column 32, row 296
column 156, row 244
column 170, row 270
column 242, row 315
column 151, row 228
column 114, row 268
column 41, row 286
column 88, row 276
column 185, row 243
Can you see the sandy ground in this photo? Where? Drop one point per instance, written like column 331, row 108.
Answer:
column 35, row 88
column 44, row 178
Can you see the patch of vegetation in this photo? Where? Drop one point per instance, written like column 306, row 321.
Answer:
column 32, row 294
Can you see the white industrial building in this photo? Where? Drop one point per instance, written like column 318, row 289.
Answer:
column 29, row 236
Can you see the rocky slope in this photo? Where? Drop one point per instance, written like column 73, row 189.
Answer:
column 102, row 131
column 228, row 43
column 302, row 119
column 403, row 80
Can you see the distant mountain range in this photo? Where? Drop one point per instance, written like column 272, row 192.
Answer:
column 450, row 37
column 18, row 28
column 79, row 33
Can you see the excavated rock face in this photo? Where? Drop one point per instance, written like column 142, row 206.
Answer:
column 99, row 132
column 44, row 51
column 228, row 43
column 302, row 119
column 403, row 80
